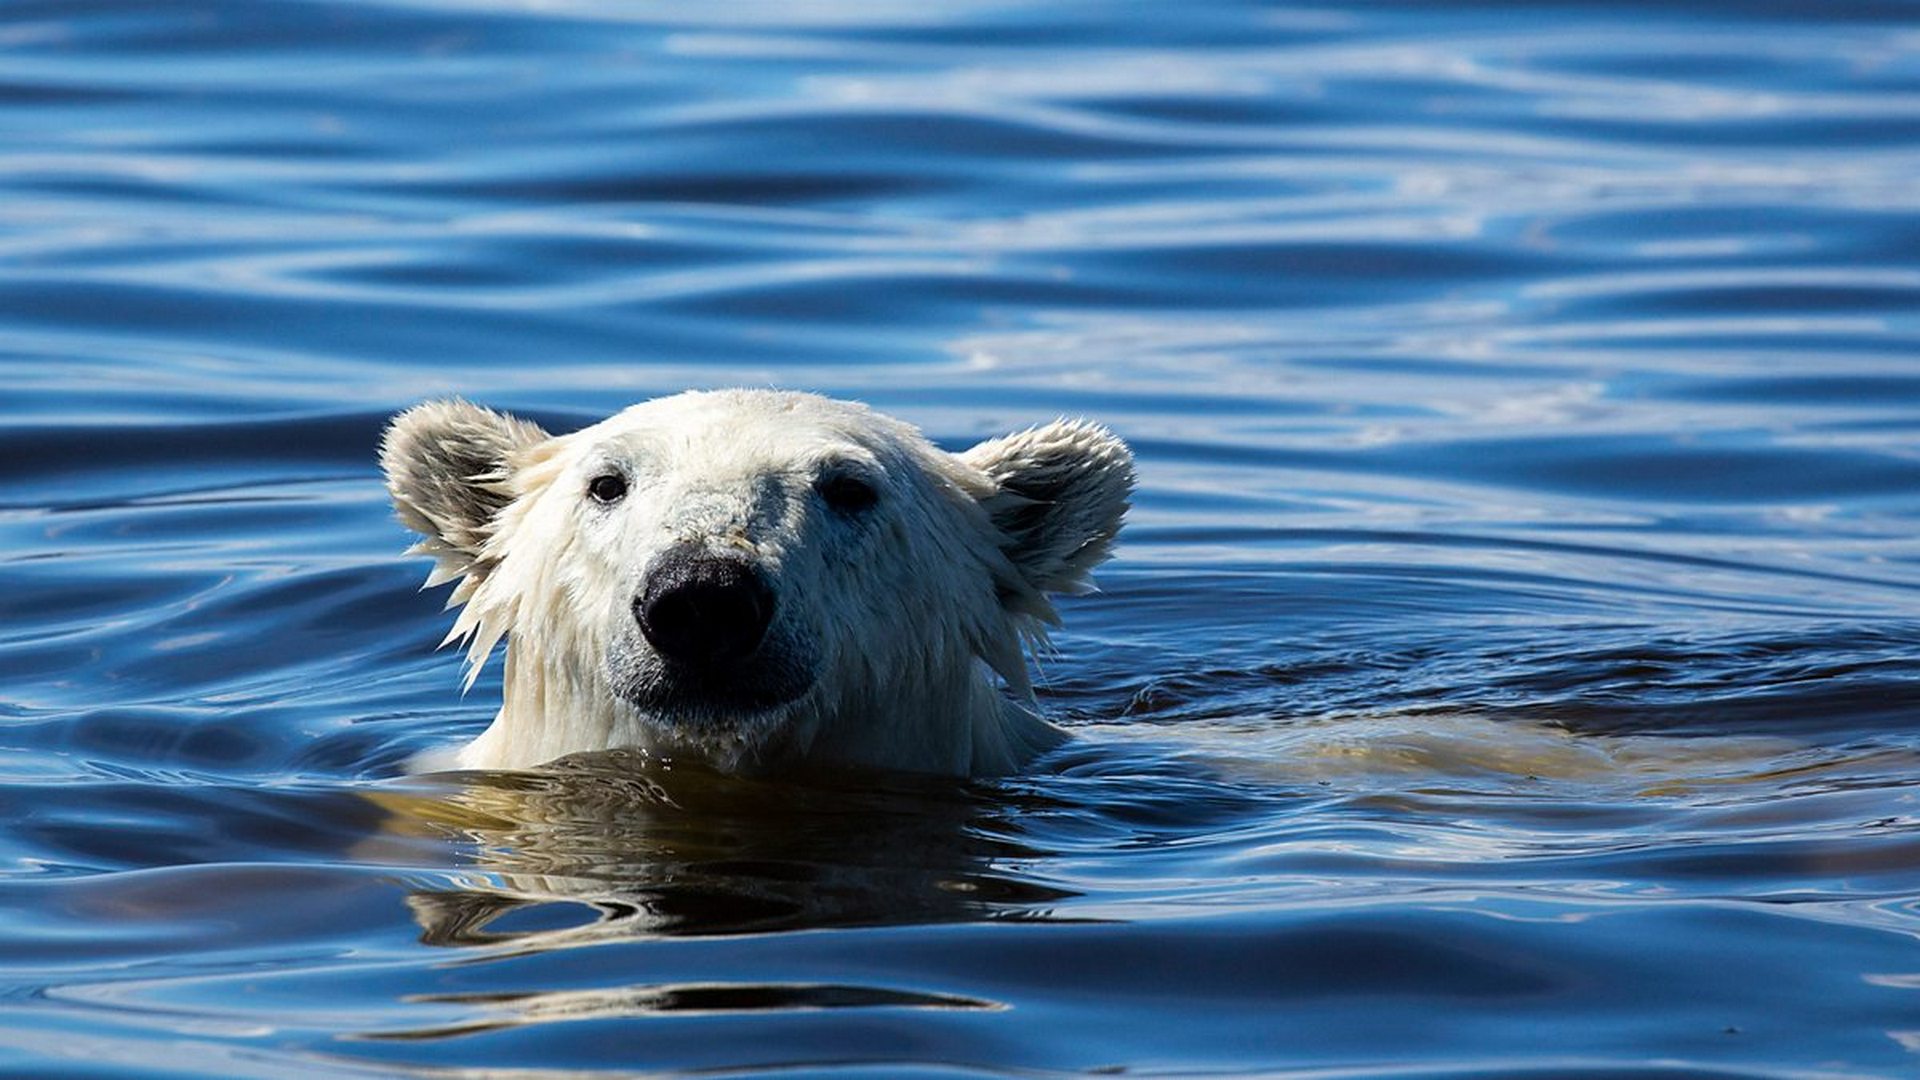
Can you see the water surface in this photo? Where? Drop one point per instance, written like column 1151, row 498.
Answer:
column 1508, row 670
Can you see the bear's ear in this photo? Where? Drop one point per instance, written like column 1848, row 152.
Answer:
column 446, row 464
column 1060, row 491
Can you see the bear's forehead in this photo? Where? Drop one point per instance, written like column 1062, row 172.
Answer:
column 747, row 430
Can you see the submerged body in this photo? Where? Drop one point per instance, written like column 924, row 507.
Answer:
column 757, row 579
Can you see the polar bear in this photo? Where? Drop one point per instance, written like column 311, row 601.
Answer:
column 756, row 579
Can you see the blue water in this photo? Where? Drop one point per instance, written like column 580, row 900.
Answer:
column 1509, row 668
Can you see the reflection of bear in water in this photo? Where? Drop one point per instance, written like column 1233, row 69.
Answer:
column 756, row 579
column 602, row 846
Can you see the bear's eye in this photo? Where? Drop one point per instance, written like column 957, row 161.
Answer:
column 846, row 493
column 607, row 487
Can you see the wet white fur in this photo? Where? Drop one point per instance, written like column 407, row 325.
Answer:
column 909, row 608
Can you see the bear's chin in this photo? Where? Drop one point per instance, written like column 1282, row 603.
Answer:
column 734, row 697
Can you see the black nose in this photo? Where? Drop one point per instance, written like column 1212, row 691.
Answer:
column 704, row 611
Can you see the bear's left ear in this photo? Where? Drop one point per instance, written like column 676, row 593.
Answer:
column 1060, row 491
column 446, row 463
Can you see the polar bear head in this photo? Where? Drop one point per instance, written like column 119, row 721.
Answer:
column 756, row 578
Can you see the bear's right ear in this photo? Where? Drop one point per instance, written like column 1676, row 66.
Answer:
column 446, row 464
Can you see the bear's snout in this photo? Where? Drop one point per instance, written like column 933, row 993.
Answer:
column 702, row 611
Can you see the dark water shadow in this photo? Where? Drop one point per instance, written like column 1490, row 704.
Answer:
column 613, row 845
